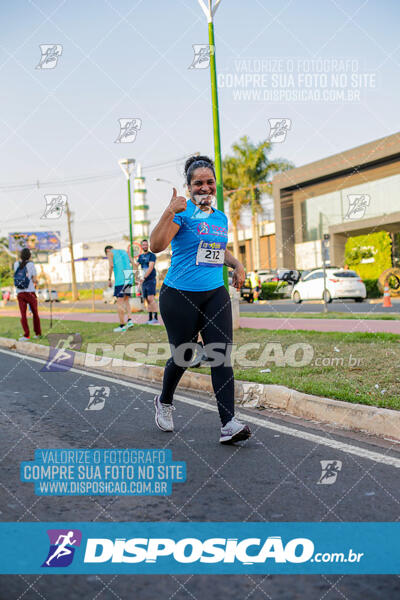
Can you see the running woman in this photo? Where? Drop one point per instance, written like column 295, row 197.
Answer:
column 193, row 297
column 25, row 279
column 121, row 263
column 147, row 261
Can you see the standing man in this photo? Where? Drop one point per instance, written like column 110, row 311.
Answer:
column 147, row 261
column 25, row 281
column 121, row 263
column 255, row 284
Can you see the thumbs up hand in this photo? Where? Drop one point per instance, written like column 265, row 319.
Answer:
column 177, row 203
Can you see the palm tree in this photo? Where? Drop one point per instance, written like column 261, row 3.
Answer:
column 249, row 171
column 236, row 199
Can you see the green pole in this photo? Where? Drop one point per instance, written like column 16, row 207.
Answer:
column 217, row 143
column 130, row 224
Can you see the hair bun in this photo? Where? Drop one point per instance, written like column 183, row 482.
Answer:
column 194, row 159
column 197, row 161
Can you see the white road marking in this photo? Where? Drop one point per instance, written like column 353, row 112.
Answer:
column 303, row 435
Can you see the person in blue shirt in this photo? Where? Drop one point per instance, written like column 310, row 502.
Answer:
column 147, row 261
column 193, row 298
column 121, row 263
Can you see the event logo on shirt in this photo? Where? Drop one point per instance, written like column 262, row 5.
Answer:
column 216, row 230
column 203, row 228
column 62, row 547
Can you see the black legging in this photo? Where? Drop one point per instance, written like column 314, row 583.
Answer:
column 185, row 314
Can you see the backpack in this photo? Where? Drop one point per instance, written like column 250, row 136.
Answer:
column 21, row 279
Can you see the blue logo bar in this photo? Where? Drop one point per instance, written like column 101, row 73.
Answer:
column 200, row 548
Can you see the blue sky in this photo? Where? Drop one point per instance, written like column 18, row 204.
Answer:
column 130, row 59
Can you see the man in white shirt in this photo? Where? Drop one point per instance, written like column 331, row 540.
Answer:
column 25, row 280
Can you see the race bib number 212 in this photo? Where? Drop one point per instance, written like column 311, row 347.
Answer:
column 211, row 254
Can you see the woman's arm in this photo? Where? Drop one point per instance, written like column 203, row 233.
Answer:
column 231, row 261
column 166, row 229
column 239, row 274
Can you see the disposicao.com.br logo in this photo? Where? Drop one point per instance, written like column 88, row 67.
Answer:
column 203, row 547
column 188, row 550
column 191, row 550
column 200, row 547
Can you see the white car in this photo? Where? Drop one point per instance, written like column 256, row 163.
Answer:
column 45, row 295
column 340, row 283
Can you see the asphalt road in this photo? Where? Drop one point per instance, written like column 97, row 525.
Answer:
column 272, row 477
column 313, row 306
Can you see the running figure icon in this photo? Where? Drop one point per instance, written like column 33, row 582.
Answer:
column 62, row 549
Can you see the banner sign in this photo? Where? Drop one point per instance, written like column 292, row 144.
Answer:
column 34, row 240
column 200, row 548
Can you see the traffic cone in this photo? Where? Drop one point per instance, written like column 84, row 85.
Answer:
column 387, row 303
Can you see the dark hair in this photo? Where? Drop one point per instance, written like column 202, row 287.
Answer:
column 107, row 248
column 144, row 241
column 197, row 162
column 25, row 255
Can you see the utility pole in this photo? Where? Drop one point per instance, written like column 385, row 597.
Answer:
column 75, row 296
column 324, row 244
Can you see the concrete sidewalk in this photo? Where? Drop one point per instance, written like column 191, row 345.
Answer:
column 346, row 325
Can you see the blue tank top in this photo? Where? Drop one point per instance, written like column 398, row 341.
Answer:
column 195, row 227
column 121, row 262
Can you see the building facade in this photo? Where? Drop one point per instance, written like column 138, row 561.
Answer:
column 349, row 194
column 266, row 231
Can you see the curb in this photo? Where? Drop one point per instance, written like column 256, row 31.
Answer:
column 382, row 422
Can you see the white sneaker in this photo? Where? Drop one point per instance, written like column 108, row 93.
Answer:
column 119, row 329
column 129, row 324
column 163, row 415
column 24, row 339
column 234, row 431
column 154, row 322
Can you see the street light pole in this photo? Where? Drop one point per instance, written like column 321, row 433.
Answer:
column 130, row 215
column 210, row 11
column 127, row 165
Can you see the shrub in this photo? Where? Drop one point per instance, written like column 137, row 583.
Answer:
column 372, row 288
column 369, row 255
column 268, row 290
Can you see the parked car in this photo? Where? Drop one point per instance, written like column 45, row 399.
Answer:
column 268, row 276
column 264, row 275
column 340, row 283
column 46, row 294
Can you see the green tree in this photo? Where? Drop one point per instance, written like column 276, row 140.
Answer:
column 6, row 264
column 249, row 171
